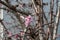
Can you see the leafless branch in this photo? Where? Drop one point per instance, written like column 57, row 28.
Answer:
column 14, row 8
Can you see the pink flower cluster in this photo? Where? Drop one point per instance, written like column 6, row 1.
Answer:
column 9, row 34
column 28, row 20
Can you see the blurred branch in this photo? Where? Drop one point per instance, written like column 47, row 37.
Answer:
column 17, row 16
column 14, row 8
column 17, row 12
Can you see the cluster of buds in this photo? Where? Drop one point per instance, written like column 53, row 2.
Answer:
column 28, row 20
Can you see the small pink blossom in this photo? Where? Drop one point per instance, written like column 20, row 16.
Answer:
column 22, row 33
column 9, row 34
column 16, row 36
column 28, row 20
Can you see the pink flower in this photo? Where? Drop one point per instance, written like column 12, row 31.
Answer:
column 28, row 20
column 22, row 33
column 16, row 36
column 9, row 34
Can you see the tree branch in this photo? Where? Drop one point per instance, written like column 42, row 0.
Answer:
column 14, row 8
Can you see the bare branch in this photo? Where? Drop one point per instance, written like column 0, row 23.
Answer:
column 14, row 8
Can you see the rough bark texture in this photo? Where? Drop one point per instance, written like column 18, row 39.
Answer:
column 51, row 17
column 39, row 13
column 56, row 25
